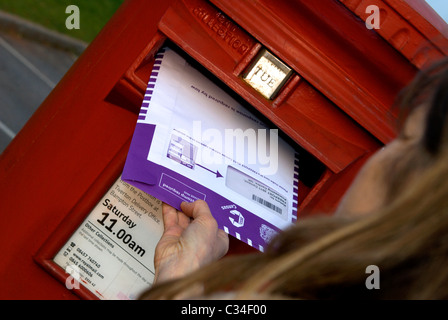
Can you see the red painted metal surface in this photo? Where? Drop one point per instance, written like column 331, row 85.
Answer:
column 65, row 147
column 337, row 108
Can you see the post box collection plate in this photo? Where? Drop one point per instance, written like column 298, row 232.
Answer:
column 267, row 74
column 104, row 248
column 112, row 251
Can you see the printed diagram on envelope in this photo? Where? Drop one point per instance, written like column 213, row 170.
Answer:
column 193, row 141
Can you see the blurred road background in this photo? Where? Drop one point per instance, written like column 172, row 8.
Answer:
column 36, row 50
column 28, row 72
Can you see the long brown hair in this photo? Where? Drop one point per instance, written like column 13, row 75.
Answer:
column 326, row 257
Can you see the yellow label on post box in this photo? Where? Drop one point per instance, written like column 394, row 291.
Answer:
column 267, row 74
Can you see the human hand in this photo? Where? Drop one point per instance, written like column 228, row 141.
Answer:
column 191, row 239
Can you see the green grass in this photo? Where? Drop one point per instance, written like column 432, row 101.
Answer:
column 94, row 14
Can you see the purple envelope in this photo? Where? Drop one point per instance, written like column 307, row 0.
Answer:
column 171, row 186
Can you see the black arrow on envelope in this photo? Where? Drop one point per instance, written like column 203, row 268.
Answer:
column 218, row 175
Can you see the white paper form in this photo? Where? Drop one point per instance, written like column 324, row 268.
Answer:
column 206, row 137
column 112, row 252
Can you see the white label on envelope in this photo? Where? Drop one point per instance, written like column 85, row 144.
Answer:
column 257, row 192
column 112, row 251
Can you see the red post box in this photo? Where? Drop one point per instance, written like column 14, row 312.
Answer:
column 336, row 107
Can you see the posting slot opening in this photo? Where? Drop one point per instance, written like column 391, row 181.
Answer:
column 129, row 93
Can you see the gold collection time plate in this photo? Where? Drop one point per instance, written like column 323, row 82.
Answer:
column 267, row 74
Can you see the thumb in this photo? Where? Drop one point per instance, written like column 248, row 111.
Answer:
column 196, row 209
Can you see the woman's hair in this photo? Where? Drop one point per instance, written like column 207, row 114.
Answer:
column 325, row 257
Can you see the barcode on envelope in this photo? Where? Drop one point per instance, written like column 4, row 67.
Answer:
column 267, row 204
